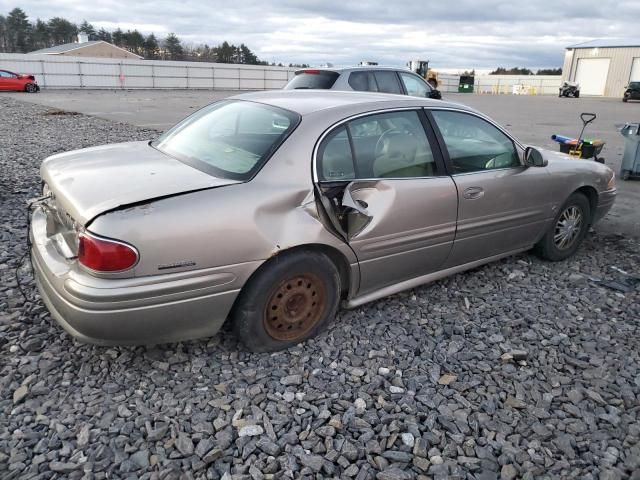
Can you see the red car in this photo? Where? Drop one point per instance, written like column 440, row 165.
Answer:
column 18, row 82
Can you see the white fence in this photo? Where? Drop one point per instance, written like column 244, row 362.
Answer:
column 53, row 71
column 505, row 84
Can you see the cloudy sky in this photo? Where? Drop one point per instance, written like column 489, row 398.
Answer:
column 451, row 34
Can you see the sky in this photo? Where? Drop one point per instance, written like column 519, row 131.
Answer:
column 460, row 34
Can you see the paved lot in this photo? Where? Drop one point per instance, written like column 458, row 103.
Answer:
column 519, row 369
column 531, row 119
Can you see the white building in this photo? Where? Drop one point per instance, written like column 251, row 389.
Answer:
column 603, row 67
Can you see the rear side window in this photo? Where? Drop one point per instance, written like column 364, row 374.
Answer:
column 337, row 159
column 384, row 145
column 363, row 82
column 312, row 79
column 387, row 82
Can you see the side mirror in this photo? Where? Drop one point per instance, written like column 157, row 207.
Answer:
column 434, row 93
column 534, row 158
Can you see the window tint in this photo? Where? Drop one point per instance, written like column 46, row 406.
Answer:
column 5, row 74
column 387, row 81
column 473, row 143
column 229, row 139
column 387, row 145
column 336, row 157
column 414, row 85
column 305, row 79
column 363, row 81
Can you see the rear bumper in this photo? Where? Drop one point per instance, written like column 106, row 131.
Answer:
column 606, row 200
column 144, row 310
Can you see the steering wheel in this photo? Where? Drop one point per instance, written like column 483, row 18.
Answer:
column 383, row 141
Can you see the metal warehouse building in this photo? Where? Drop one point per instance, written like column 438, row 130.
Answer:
column 603, row 67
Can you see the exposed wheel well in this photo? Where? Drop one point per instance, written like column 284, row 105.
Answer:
column 592, row 196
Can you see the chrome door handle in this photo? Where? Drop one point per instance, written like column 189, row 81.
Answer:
column 472, row 193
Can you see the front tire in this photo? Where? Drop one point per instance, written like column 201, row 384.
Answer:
column 568, row 230
column 30, row 88
column 287, row 301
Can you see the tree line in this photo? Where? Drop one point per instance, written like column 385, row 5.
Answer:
column 526, row 71
column 19, row 35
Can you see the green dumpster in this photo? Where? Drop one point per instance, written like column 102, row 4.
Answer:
column 466, row 84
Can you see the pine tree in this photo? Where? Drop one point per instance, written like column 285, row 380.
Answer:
column 19, row 31
column 151, row 48
column 173, row 47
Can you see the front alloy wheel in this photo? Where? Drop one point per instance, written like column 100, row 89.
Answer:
column 568, row 227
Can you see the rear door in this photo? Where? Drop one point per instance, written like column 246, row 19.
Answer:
column 383, row 187
column 503, row 205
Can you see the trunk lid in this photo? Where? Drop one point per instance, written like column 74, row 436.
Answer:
column 91, row 181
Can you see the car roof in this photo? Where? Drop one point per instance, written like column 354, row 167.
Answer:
column 306, row 102
column 354, row 68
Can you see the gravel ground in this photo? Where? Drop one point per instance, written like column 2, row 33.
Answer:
column 520, row 369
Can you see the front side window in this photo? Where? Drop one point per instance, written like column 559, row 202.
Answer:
column 4, row 74
column 229, row 139
column 387, row 81
column 473, row 143
column 415, row 86
column 385, row 145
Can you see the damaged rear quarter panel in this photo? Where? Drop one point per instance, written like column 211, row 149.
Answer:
column 230, row 225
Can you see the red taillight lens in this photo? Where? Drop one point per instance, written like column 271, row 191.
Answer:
column 312, row 72
column 104, row 255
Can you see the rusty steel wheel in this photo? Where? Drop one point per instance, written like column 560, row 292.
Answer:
column 295, row 307
column 288, row 300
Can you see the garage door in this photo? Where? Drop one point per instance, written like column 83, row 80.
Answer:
column 635, row 70
column 591, row 74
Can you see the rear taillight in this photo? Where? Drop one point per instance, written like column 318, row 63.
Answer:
column 311, row 71
column 104, row 255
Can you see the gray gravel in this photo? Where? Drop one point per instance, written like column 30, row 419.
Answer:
column 520, row 369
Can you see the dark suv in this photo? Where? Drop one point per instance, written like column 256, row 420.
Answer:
column 364, row 79
column 632, row 92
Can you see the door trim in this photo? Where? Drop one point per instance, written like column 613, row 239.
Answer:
column 430, row 277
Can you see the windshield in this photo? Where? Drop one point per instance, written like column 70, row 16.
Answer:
column 229, row 139
column 634, row 85
column 305, row 79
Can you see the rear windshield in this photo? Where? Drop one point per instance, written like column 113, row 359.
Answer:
column 304, row 79
column 634, row 85
column 229, row 139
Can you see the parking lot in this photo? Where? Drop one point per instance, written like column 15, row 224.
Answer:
column 519, row 369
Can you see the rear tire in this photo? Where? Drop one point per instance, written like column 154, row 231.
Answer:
column 30, row 88
column 576, row 95
column 567, row 231
column 287, row 301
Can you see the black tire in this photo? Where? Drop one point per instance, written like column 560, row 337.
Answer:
column 276, row 308
column 626, row 175
column 576, row 95
column 30, row 88
column 550, row 247
column 625, row 99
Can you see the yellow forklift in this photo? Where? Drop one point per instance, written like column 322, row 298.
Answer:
column 421, row 67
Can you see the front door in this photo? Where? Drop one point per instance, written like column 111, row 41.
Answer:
column 385, row 192
column 8, row 81
column 503, row 205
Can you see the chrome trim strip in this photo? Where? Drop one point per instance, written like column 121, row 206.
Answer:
column 415, row 282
